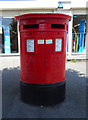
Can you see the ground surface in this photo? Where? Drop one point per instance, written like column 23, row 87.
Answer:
column 74, row 105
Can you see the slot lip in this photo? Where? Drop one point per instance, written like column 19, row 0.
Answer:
column 31, row 26
column 58, row 26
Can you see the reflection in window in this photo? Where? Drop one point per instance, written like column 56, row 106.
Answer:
column 1, row 45
column 79, row 33
column 9, row 36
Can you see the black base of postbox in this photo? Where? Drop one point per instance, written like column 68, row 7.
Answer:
column 43, row 94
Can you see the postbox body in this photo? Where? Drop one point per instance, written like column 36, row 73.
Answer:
column 43, row 52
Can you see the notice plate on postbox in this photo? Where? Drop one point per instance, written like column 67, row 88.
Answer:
column 49, row 41
column 41, row 41
column 30, row 45
column 58, row 44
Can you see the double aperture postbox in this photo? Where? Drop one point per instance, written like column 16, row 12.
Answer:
column 42, row 55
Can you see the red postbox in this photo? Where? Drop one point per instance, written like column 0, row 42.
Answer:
column 42, row 56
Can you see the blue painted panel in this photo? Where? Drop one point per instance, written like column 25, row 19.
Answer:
column 81, row 35
column 60, row 5
column 7, row 39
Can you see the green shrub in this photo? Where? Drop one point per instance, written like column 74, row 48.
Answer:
column 73, row 60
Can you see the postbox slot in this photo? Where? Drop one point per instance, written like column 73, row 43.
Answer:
column 58, row 26
column 31, row 26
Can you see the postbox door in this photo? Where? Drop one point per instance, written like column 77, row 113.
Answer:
column 54, row 60
column 49, row 61
column 45, row 50
column 33, row 60
column 52, row 51
column 44, row 60
column 40, row 59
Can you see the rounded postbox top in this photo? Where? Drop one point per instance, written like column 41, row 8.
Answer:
column 43, row 15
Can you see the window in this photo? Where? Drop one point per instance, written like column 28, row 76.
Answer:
column 9, row 36
column 78, row 33
column 1, row 45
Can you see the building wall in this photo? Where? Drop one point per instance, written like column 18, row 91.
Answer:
column 79, row 4
column 70, row 7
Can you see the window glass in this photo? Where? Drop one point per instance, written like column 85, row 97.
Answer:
column 9, row 36
column 1, row 45
column 79, row 33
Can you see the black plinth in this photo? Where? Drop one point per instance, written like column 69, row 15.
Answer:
column 43, row 94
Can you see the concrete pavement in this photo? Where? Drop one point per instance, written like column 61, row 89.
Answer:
column 74, row 105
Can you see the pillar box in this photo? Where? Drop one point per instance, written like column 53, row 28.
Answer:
column 43, row 57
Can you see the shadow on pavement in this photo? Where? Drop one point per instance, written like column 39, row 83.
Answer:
column 74, row 105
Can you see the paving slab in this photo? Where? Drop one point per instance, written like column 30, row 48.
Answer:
column 74, row 106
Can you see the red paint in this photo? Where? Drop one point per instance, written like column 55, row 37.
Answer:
column 45, row 65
